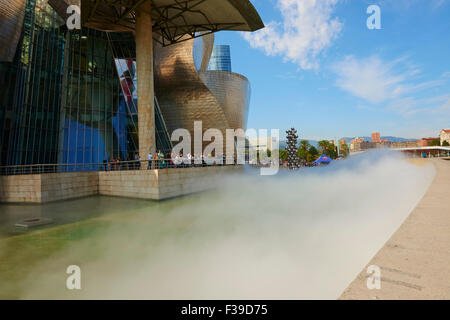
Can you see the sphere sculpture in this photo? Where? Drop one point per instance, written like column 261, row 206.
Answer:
column 291, row 148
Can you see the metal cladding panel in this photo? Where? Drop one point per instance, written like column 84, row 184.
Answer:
column 182, row 95
column 232, row 91
column 12, row 13
column 208, row 46
column 219, row 99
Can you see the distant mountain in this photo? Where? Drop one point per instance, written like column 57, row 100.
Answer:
column 388, row 138
column 315, row 143
column 397, row 139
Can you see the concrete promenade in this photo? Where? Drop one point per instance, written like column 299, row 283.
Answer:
column 415, row 261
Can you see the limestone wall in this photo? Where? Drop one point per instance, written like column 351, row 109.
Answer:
column 20, row 188
column 62, row 186
column 160, row 184
column 142, row 184
column 177, row 182
column 37, row 188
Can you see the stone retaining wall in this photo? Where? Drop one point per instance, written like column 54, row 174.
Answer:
column 62, row 186
column 20, row 188
column 144, row 184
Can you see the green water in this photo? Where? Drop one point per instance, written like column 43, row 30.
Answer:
column 71, row 211
column 23, row 253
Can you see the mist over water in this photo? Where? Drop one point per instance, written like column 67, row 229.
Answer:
column 296, row 235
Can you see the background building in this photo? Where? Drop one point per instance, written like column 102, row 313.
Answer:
column 355, row 144
column 444, row 135
column 376, row 137
column 425, row 142
column 220, row 58
column 405, row 144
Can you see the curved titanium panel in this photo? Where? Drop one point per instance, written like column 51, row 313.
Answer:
column 220, row 99
column 11, row 21
column 232, row 91
column 182, row 95
column 12, row 13
column 202, row 50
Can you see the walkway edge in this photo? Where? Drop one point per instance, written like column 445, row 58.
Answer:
column 414, row 262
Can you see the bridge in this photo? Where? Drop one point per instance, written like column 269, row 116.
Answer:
column 430, row 151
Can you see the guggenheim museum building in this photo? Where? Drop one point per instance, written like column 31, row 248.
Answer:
column 120, row 82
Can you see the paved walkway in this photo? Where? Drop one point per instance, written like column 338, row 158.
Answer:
column 415, row 261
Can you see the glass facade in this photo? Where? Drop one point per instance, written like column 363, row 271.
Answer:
column 220, row 58
column 95, row 124
column 30, row 87
column 69, row 96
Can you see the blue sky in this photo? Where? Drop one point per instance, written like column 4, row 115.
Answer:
column 317, row 67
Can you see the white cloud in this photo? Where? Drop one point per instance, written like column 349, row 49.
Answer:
column 370, row 79
column 394, row 83
column 308, row 28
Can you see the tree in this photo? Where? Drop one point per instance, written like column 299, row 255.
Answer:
column 323, row 145
column 445, row 144
column 327, row 148
column 304, row 145
column 344, row 150
column 313, row 152
column 303, row 149
column 283, row 155
column 435, row 143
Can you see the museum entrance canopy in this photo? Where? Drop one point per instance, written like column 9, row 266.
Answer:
column 172, row 20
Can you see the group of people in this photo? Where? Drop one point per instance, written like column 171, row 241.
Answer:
column 180, row 160
column 159, row 160
column 117, row 164
column 112, row 164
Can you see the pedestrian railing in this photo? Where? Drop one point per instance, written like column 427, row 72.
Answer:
column 110, row 166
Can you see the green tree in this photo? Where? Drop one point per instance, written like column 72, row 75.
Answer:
column 283, row 154
column 445, row 144
column 327, row 148
column 344, row 150
column 303, row 149
column 435, row 143
column 323, row 145
column 313, row 152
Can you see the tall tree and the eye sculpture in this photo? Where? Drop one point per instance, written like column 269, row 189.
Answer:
column 291, row 148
